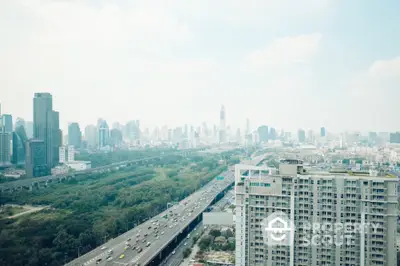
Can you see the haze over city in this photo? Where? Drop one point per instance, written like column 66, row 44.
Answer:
column 282, row 63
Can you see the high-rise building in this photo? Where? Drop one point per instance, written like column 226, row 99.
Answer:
column 19, row 140
column 67, row 154
column 132, row 131
column 74, row 135
column 91, row 136
column 323, row 132
column 222, row 125
column 301, row 134
column 29, row 129
column 19, row 122
column 356, row 216
column 35, row 161
column 310, row 136
column 394, row 137
column 115, row 137
column 263, row 133
column 54, row 138
column 248, row 128
column 7, row 123
column 272, row 133
column 46, row 126
column 5, row 148
column 104, row 134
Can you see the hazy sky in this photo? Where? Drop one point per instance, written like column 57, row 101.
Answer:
column 283, row 63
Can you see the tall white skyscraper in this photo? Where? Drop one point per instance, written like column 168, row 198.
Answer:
column 328, row 219
column 222, row 125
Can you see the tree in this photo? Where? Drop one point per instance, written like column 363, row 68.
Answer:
column 187, row 252
column 228, row 233
column 204, row 243
column 215, row 233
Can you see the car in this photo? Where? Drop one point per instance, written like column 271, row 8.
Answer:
column 173, row 252
column 122, row 256
column 144, row 240
column 145, row 235
column 103, row 248
column 185, row 244
column 188, row 236
column 98, row 261
column 109, row 258
column 148, row 244
column 129, row 239
column 162, row 232
column 139, row 249
column 110, row 252
column 137, row 235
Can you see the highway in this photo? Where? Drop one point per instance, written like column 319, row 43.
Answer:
column 139, row 245
column 177, row 258
column 29, row 181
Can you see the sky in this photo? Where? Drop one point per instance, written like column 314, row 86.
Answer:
column 284, row 63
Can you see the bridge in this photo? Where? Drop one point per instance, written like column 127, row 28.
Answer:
column 37, row 182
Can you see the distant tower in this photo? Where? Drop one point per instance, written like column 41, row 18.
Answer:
column 74, row 135
column 323, row 132
column 222, row 128
column 46, row 126
column 247, row 126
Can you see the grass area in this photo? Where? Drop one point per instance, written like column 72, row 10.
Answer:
column 7, row 211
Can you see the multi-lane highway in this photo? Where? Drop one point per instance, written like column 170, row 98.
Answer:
column 29, row 182
column 139, row 245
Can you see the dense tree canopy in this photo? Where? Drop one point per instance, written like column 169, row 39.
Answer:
column 91, row 209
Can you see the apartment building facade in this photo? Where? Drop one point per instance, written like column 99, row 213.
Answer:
column 367, row 204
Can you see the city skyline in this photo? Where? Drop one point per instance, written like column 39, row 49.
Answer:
column 175, row 64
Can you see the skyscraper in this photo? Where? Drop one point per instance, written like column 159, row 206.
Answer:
column 74, row 135
column 29, row 129
column 54, row 138
column 91, row 136
column 272, row 133
column 263, row 133
column 222, row 125
column 35, row 161
column 301, row 134
column 20, row 122
column 5, row 148
column 7, row 123
column 323, row 132
column 248, row 129
column 19, row 140
column 46, row 126
column 104, row 134
column 115, row 137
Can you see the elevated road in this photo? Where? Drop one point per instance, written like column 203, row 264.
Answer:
column 29, row 183
column 149, row 242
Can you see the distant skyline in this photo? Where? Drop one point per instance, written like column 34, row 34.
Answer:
column 283, row 63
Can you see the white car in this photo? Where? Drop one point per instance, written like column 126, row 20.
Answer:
column 103, row 248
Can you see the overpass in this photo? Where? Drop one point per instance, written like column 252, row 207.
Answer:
column 173, row 226
column 37, row 182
